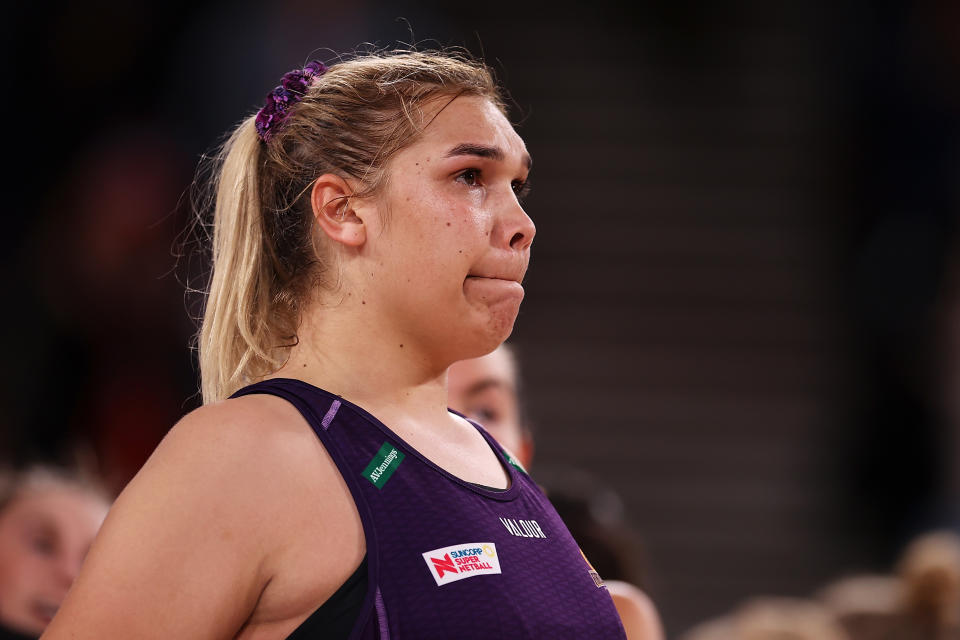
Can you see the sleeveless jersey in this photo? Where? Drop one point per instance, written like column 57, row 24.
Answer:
column 447, row 558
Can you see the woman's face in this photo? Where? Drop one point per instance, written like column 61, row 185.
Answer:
column 485, row 389
column 45, row 533
column 454, row 241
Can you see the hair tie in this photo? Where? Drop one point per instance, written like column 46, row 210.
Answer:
column 293, row 86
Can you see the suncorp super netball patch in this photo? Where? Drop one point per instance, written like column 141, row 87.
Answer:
column 460, row 561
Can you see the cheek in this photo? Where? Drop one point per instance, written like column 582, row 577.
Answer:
column 459, row 215
column 451, row 246
column 20, row 574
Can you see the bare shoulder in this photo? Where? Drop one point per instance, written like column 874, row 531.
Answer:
column 256, row 415
column 639, row 616
column 191, row 543
column 245, row 455
column 262, row 431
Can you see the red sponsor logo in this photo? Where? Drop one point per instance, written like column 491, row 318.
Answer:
column 446, row 564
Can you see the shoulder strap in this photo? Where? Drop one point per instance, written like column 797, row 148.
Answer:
column 320, row 409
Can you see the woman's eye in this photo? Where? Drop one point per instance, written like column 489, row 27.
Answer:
column 42, row 545
column 521, row 188
column 484, row 414
column 470, row 177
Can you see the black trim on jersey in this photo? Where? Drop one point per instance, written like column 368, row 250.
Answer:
column 488, row 488
column 335, row 618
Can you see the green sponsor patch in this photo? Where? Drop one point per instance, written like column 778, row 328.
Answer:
column 383, row 465
column 514, row 462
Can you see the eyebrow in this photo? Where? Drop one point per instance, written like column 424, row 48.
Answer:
column 484, row 151
column 484, row 384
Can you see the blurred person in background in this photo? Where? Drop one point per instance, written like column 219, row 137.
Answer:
column 367, row 234
column 868, row 606
column 930, row 572
column 771, row 618
column 48, row 519
column 487, row 390
column 921, row 601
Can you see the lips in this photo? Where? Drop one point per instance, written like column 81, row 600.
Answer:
column 474, row 277
column 512, row 273
column 497, row 276
column 493, row 290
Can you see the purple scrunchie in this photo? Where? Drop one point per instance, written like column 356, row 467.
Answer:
column 290, row 91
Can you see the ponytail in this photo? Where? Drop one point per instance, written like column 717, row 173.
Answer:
column 234, row 341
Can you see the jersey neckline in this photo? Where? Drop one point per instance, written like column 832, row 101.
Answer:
column 502, row 495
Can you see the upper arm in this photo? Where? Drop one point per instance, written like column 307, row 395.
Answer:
column 184, row 552
column 637, row 613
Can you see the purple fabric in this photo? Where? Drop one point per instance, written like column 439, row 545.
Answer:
column 293, row 86
column 446, row 558
column 331, row 414
column 382, row 617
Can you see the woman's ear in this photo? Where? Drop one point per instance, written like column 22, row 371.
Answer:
column 330, row 201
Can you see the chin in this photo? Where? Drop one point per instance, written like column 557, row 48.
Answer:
column 487, row 338
column 475, row 330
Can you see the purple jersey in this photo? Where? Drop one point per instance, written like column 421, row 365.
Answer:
column 447, row 558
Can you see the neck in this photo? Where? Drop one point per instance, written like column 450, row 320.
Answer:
column 342, row 350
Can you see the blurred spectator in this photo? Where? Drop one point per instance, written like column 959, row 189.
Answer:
column 922, row 602
column 595, row 516
column 866, row 605
column 486, row 389
column 930, row 571
column 772, row 619
column 48, row 519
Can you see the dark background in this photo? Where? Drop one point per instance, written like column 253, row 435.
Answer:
column 742, row 310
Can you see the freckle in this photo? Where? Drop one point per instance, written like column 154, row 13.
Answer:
column 401, row 346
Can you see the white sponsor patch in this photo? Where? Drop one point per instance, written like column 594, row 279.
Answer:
column 460, row 561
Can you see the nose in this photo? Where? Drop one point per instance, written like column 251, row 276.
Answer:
column 68, row 569
column 518, row 228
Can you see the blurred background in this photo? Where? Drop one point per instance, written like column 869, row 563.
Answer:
column 743, row 309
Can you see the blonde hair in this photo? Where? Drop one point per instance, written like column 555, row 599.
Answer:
column 266, row 258
column 38, row 477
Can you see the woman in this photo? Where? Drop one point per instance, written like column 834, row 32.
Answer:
column 48, row 518
column 487, row 389
column 367, row 234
